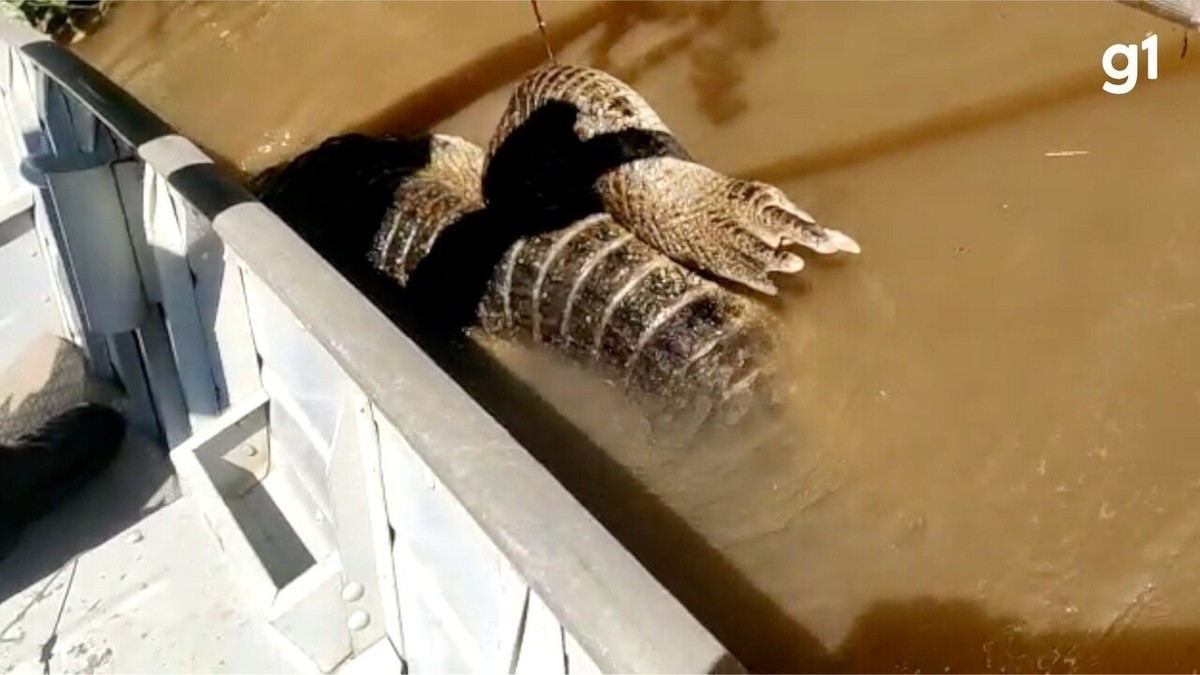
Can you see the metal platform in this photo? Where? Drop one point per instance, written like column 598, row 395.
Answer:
column 143, row 600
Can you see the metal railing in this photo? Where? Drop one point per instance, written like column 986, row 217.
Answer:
column 404, row 518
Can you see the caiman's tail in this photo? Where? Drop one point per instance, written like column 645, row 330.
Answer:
column 335, row 195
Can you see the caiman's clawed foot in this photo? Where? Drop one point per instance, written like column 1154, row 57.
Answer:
column 733, row 229
column 779, row 222
column 759, row 223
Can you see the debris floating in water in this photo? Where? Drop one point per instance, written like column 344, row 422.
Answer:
column 1067, row 153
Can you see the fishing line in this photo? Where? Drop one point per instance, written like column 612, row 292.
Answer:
column 541, row 24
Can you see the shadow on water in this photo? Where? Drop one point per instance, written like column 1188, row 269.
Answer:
column 952, row 122
column 711, row 35
column 957, row 636
column 714, row 37
column 420, row 110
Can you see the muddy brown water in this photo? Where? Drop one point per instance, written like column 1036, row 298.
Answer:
column 989, row 458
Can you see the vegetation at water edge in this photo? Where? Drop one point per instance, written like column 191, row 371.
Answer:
column 64, row 20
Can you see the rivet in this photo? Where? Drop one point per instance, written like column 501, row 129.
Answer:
column 352, row 591
column 251, row 451
column 358, row 620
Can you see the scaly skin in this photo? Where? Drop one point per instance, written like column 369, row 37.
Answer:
column 426, row 202
column 730, row 228
column 599, row 295
column 593, row 292
column 585, row 228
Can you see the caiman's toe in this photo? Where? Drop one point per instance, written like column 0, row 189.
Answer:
column 774, row 215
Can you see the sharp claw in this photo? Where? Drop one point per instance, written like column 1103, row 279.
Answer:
column 798, row 227
column 780, row 201
column 821, row 240
column 771, row 239
column 827, row 241
column 762, row 285
column 841, row 241
column 789, row 263
column 801, row 214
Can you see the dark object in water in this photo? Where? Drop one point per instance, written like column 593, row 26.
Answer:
column 585, row 227
column 597, row 294
column 43, row 469
column 729, row 228
column 335, row 195
column 414, row 210
column 66, row 21
column 590, row 290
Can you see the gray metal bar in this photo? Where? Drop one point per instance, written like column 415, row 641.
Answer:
column 98, row 248
column 167, row 392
